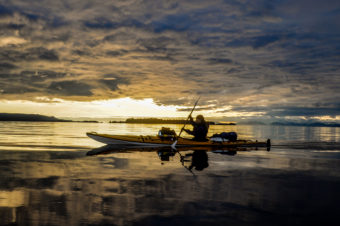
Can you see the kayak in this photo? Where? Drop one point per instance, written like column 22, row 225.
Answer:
column 156, row 141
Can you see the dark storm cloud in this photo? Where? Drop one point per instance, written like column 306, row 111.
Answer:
column 219, row 61
column 103, row 23
column 12, row 26
column 156, row 45
column 15, row 89
column 43, row 54
column 293, row 111
column 41, row 76
column 4, row 11
column 6, row 66
column 255, row 42
column 234, row 52
column 113, row 83
column 72, row 88
column 27, row 81
column 31, row 54
column 115, row 53
column 178, row 22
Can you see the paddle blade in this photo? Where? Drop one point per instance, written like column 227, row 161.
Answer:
column 173, row 146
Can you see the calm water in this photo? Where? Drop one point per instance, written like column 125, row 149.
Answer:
column 47, row 178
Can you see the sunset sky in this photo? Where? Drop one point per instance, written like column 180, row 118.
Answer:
column 250, row 59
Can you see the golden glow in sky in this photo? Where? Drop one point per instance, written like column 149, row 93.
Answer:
column 106, row 108
column 153, row 60
column 126, row 107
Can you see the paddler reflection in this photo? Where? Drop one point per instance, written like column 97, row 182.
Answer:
column 197, row 159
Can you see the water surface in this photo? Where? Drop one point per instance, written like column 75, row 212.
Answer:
column 47, row 178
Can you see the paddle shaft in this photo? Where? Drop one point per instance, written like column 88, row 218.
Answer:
column 188, row 117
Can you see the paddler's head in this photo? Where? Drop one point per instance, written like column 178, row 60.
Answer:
column 199, row 119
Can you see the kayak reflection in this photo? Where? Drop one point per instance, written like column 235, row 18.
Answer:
column 109, row 149
column 191, row 158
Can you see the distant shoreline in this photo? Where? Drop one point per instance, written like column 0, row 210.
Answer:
column 162, row 121
column 315, row 124
column 13, row 117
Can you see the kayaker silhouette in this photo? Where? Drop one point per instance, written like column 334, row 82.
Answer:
column 200, row 128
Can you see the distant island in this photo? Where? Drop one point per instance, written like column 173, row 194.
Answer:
column 163, row 121
column 44, row 118
column 252, row 123
column 151, row 121
column 34, row 118
column 224, row 123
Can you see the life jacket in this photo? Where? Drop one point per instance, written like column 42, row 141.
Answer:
column 200, row 131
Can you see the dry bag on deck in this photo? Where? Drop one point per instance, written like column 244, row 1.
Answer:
column 166, row 133
column 230, row 136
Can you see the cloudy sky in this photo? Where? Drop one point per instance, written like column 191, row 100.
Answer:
column 245, row 58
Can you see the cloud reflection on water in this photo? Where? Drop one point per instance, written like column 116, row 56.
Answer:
column 130, row 188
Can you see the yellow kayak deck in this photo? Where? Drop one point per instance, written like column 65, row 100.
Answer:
column 159, row 141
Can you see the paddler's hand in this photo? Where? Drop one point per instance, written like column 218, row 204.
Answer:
column 190, row 118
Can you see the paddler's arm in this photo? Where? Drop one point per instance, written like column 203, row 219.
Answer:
column 189, row 131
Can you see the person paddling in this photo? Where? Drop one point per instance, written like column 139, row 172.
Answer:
column 200, row 129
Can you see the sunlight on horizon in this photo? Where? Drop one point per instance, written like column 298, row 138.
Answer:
column 121, row 107
column 127, row 107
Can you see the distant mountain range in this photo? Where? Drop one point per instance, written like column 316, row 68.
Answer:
column 320, row 124
column 251, row 123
